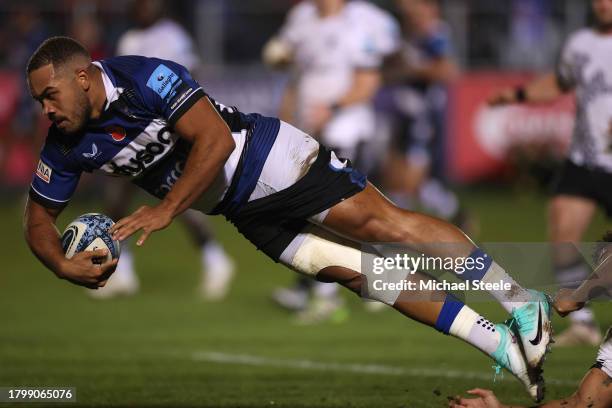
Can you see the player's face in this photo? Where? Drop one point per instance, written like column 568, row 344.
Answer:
column 63, row 100
column 603, row 12
column 418, row 12
column 146, row 12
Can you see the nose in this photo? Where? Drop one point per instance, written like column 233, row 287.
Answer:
column 48, row 109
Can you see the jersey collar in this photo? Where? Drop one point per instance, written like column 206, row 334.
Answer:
column 112, row 93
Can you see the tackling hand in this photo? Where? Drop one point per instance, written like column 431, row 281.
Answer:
column 486, row 399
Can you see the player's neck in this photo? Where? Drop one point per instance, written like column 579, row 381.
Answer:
column 330, row 8
column 98, row 93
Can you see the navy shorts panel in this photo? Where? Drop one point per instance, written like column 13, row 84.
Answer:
column 272, row 222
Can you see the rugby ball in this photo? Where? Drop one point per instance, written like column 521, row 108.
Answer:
column 89, row 232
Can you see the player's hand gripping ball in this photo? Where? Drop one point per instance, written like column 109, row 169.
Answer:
column 89, row 232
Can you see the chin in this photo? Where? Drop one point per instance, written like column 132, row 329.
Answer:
column 71, row 129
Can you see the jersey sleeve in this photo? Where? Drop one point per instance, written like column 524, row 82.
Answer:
column 55, row 177
column 169, row 89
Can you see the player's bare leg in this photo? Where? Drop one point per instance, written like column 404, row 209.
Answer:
column 568, row 219
column 370, row 217
column 332, row 258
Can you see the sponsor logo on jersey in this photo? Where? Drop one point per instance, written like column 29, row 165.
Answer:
column 171, row 179
column 117, row 133
column 44, row 172
column 162, row 80
column 94, row 154
column 139, row 162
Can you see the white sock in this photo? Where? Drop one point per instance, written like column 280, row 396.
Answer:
column 474, row 329
column 213, row 255
column 516, row 297
column 488, row 271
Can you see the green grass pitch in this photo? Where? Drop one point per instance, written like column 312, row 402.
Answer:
column 165, row 347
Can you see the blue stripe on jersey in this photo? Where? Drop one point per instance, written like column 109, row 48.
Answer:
column 254, row 156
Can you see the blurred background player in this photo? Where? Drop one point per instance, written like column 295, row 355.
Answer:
column 25, row 30
column 414, row 172
column 334, row 50
column 157, row 36
column 585, row 67
column 595, row 390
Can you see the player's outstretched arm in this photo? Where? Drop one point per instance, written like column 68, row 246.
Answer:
column 212, row 144
column 43, row 239
column 595, row 391
column 541, row 90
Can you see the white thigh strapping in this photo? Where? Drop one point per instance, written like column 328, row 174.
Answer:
column 316, row 248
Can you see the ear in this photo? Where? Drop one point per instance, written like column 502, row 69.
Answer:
column 83, row 78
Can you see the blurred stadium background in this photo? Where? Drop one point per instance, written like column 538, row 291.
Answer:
column 165, row 347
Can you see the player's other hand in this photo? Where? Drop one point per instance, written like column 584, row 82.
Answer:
column 486, row 399
column 148, row 219
column 81, row 270
column 504, row 97
column 564, row 304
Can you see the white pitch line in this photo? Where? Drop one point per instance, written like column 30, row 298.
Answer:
column 258, row 361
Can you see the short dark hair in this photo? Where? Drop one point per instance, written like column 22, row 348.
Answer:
column 55, row 51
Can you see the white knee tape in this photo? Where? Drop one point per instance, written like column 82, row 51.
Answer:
column 321, row 249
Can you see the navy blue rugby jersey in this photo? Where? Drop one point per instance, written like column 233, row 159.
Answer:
column 134, row 138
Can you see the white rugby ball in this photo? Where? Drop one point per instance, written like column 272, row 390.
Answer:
column 89, row 232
